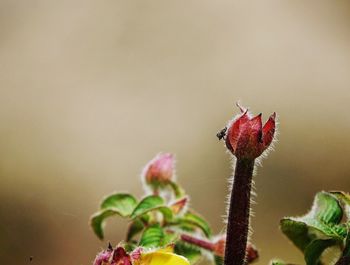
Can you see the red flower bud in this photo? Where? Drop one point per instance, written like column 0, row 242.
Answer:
column 247, row 138
column 160, row 170
column 120, row 257
column 116, row 256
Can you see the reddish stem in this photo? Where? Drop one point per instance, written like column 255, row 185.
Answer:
column 252, row 253
column 198, row 242
column 239, row 211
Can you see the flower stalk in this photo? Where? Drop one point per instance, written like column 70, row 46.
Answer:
column 247, row 139
column 239, row 212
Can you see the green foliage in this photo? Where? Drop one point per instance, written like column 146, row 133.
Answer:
column 195, row 221
column 163, row 218
column 115, row 204
column 135, row 228
column 152, row 236
column 123, row 203
column 323, row 227
column 191, row 252
column 156, row 221
column 152, row 203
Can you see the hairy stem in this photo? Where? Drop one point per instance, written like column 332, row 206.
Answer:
column 239, row 210
column 198, row 242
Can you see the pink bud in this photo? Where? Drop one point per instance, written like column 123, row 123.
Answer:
column 247, row 138
column 160, row 170
column 112, row 256
column 103, row 258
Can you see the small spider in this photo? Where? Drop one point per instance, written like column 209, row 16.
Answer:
column 221, row 134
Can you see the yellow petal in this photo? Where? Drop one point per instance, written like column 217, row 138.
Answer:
column 163, row 258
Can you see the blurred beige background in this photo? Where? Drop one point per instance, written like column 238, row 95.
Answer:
column 91, row 90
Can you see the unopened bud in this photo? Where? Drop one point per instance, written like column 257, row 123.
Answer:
column 160, row 170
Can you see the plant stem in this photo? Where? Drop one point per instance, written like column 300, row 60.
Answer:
column 239, row 211
column 198, row 242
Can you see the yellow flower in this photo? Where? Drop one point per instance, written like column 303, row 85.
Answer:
column 162, row 257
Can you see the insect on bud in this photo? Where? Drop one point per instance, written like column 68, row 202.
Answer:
column 246, row 138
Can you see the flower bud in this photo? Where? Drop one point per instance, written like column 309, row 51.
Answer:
column 120, row 257
column 246, row 138
column 104, row 257
column 160, row 170
column 117, row 256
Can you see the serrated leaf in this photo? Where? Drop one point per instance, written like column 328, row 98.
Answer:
column 122, row 203
column 192, row 253
column 197, row 221
column 326, row 209
column 135, row 227
column 153, row 236
column 97, row 221
column 317, row 230
column 322, row 222
column 151, row 203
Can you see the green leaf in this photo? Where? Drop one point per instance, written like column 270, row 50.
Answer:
column 315, row 249
column 345, row 199
column 192, row 253
column 97, row 221
column 135, row 227
column 153, row 236
column 326, row 209
column 296, row 231
column 197, row 221
column 342, row 195
column 170, row 238
column 122, row 203
column 317, row 230
column 152, row 203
